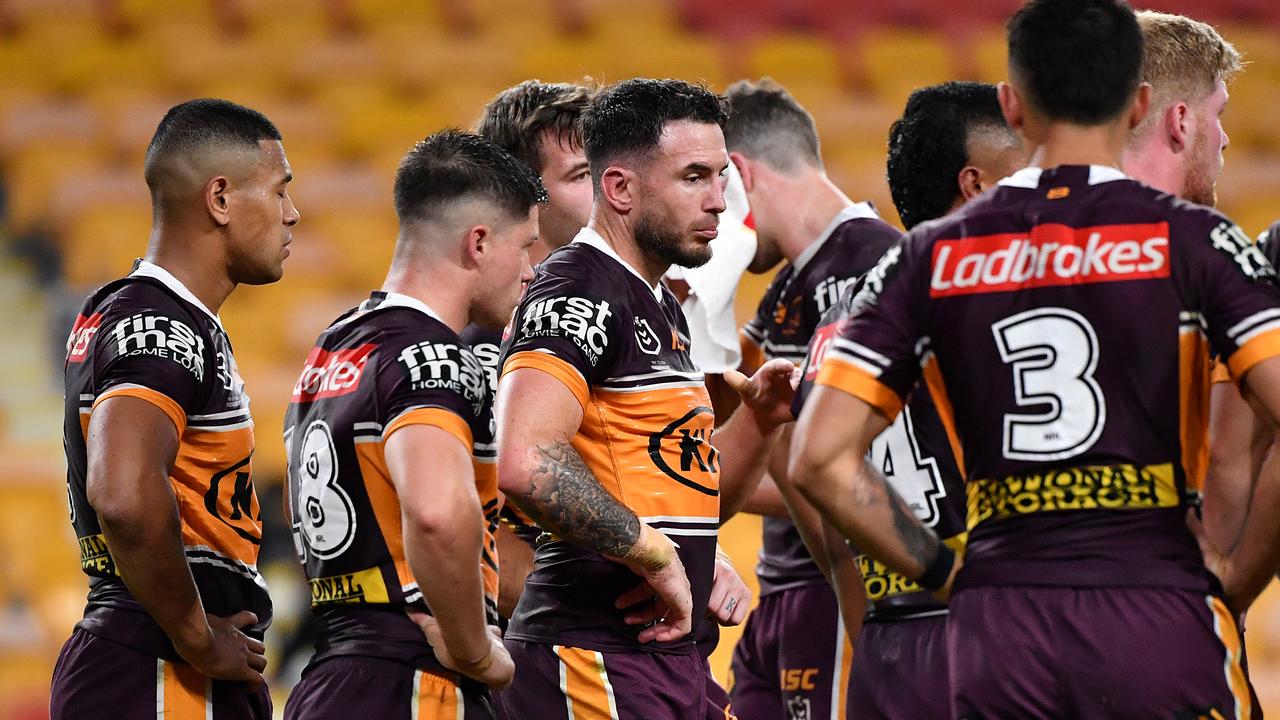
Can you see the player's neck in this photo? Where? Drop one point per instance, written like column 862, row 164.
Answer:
column 1152, row 164
column 623, row 241
column 187, row 259
column 1065, row 144
column 443, row 289
column 813, row 203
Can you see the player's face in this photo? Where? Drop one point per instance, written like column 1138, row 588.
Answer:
column 568, row 182
column 682, row 194
column 1204, row 157
column 261, row 217
column 506, row 270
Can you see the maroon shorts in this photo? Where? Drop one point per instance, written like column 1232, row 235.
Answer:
column 352, row 686
column 555, row 682
column 900, row 670
column 96, row 677
column 793, row 658
column 1054, row 652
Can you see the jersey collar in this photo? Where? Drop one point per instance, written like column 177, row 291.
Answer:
column 1029, row 177
column 856, row 211
column 587, row 236
column 395, row 299
column 155, row 272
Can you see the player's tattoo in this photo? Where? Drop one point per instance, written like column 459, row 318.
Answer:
column 567, row 499
column 920, row 543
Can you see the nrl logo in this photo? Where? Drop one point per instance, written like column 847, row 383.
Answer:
column 646, row 338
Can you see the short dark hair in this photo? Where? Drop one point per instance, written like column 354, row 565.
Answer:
column 203, row 124
column 628, row 117
column 929, row 145
column 452, row 165
column 516, row 119
column 1079, row 61
column 766, row 123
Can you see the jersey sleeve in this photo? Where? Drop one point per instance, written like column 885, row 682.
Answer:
column 567, row 328
column 1240, row 300
column 428, row 380
column 875, row 356
column 148, row 348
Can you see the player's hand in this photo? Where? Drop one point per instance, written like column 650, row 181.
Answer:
column 769, row 392
column 495, row 668
column 944, row 593
column 664, row 598
column 730, row 596
column 227, row 653
column 1218, row 563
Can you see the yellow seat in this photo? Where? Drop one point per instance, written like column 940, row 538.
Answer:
column 801, row 63
column 989, row 54
column 899, row 61
column 32, row 174
column 103, row 242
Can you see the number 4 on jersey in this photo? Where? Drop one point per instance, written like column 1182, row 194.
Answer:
column 896, row 454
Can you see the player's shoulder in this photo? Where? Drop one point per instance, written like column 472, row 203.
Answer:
column 1269, row 243
column 582, row 267
column 134, row 295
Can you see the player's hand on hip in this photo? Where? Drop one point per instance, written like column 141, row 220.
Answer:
column 665, row 599
column 229, row 654
column 1218, row 563
column 769, row 392
column 730, row 596
column 494, row 668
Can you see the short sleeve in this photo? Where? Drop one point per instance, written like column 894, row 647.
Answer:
column 566, row 328
column 154, row 352
column 875, row 356
column 434, row 381
column 1240, row 300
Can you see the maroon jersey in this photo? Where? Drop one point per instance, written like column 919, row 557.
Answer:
column 146, row 336
column 385, row 365
column 1063, row 324
column 622, row 347
column 1269, row 243
column 782, row 328
column 918, row 459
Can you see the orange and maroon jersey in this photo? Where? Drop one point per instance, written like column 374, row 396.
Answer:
column 386, row 364
column 1063, row 324
column 147, row 336
column 622, row 347
column 782, row 328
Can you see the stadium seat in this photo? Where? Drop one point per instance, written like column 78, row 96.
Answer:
column 101, row 244
column 799, row 62
column 33, row 173
column 899, row 61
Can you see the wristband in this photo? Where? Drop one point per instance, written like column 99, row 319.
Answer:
column 939, row 570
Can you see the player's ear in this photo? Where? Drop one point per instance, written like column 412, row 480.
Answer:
column 744, row 169
column 216, row 200
column 1141, row 104
column 617, row 185
column 970, row 182
column 1177, row 119
column 1010, row 105
column 478, row 243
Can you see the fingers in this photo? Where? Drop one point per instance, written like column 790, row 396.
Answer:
column 647, row 613
column 736, row 380
column 257, row 662
column 243, row 619
column 741, row 609
column 255, row 646
column 720, row 590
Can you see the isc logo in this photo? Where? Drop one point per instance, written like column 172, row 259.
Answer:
column 794, row 679
column 331, row 373
column 583, row 321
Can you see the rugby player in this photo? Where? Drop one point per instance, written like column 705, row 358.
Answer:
column 605, row 430
column 794, row 654
column 1072, row 414
column 393, row 496
column 158, row 437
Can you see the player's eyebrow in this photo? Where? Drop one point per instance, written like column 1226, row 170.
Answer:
column 699, row 167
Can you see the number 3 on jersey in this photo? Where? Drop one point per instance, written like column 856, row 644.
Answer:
column 917, row 479
column 1054, row 353
column 323, row 515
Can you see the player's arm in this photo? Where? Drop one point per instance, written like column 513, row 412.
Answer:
column 765, row 500
column 516, row 562
column 746, row 442
column 828, row 466
column 1238, row 440
column 443, row 538
column 541, row 471
column 132, row 445
column 846, row 580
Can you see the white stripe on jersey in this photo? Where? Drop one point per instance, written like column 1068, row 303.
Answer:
column 863, row 351
column 1251, row 321
column 655, row 375
column 870, row 369
column 1259, row 330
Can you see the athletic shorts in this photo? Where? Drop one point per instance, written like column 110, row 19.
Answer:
column 1054, row 652
column 353, row 686
column 793, row 658
column 100, row 678
column 900, row 671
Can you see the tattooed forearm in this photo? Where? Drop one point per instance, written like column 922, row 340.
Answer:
column 567, row 499
column 920, row 542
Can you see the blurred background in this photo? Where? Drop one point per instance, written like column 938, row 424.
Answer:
column 352, row 84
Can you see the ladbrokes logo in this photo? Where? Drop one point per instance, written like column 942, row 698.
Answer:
column 577, row 318
column 1051, row 255
column 331, row 373
column 81, row 338
column 448, row 366
column 161, row 336
column 818, row 347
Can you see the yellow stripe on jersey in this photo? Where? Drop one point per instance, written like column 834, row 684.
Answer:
column 585, row 684
column 1225, row 627
column 1262, row 347
column 362, row 586
column 849, row 378
column 556, row 368
column 1193, row 403
column 435, row 698
column 182, row 692
column 1113, row 487
column 166, row 404
column 446, row 420
column 942, row 402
